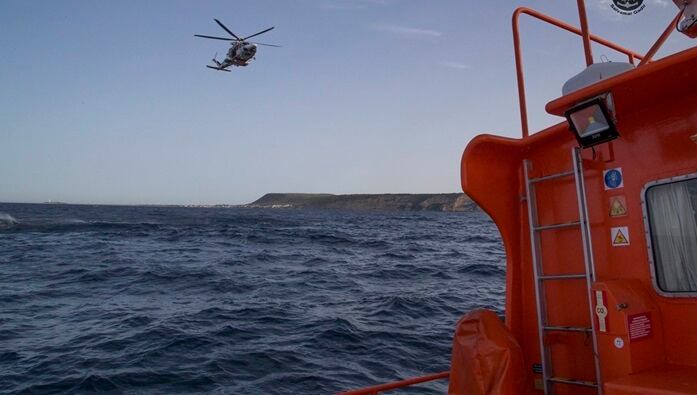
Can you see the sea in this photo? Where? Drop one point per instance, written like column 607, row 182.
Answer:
column 176, row 300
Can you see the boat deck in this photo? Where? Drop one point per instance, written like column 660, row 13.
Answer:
column 666, row 380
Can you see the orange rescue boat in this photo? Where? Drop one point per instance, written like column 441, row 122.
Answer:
column 598, row 217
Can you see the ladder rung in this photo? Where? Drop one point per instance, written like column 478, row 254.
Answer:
column 564, row 380
column 567, row 329
column 562, row 276
column 556, row 226
column 552, row 176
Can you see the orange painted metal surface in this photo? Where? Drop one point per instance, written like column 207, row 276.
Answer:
column 675, row 72
column 656, row 116
column 376, row 389
column 667, row 380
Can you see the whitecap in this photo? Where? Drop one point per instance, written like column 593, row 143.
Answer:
column 7, row 221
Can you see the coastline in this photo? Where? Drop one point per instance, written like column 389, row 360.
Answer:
column 446, row 202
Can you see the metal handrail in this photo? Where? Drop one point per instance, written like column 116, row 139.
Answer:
column 586, row 33
column 563, row 25
column 662, row 39
column 374, row 390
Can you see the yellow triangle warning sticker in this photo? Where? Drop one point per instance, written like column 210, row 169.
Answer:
column 620, row 236
column 618, row 206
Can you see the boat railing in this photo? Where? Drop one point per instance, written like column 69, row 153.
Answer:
column 584, row 32
column 562, row 25
column 376, row 389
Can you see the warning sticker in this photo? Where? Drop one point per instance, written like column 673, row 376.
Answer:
column 618, row 206
column 639, row 326
column 619, row 236
column 613, row 178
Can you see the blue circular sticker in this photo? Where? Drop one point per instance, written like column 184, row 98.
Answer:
column 613, row 178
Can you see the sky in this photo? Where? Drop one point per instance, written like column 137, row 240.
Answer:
column 110, row 103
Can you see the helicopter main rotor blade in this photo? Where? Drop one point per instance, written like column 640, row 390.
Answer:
column 256, row 34
column 215, row 38
column 226, row 29
column 268, row 45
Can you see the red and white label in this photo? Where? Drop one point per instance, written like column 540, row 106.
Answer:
column 601, row 310
column 639, row 326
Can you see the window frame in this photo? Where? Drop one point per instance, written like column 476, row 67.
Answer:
column 649, row 240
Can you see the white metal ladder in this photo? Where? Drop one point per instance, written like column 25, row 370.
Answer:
column 543, row 327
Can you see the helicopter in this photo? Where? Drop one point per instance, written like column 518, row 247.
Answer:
column 241, row 51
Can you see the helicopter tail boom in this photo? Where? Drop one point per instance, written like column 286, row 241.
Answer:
column 215, row 60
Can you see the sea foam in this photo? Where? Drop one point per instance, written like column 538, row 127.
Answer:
column 7, row 221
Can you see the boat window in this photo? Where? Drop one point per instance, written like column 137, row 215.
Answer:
column 672, row 212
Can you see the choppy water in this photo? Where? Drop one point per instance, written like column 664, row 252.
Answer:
column 154, row 300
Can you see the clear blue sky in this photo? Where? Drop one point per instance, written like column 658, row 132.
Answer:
column 110, row 102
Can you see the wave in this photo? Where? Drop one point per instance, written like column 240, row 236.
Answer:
column 484, row 270
column 75, row 221
column 179, row 300
column 330, row 239
column 7, row 221
column 71, row 225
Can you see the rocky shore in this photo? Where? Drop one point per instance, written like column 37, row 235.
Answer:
column 397, row 201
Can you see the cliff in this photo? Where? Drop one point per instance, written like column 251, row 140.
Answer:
column 400, row 201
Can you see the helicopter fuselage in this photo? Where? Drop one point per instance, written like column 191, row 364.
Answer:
column 240, row 53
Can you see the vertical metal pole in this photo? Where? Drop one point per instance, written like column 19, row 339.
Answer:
column 587, row 255
column 519, row 73
column 537, row 270
column 585, row 32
